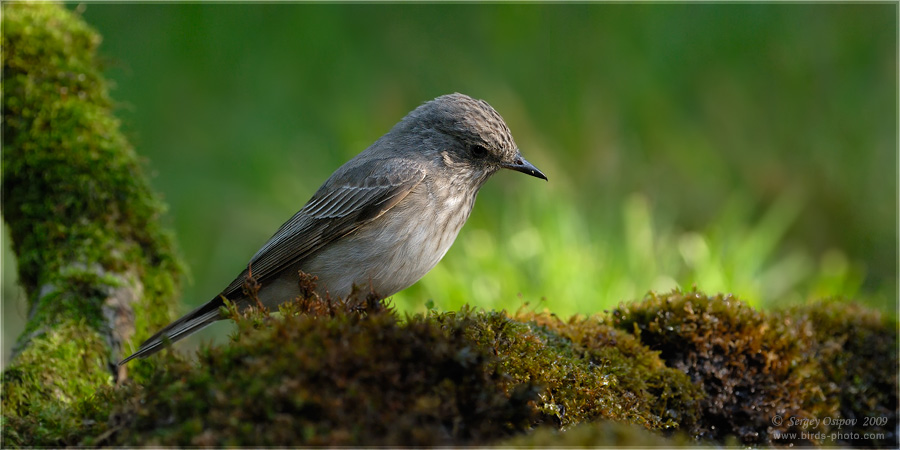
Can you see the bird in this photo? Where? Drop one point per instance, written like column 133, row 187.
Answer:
column 383, row 219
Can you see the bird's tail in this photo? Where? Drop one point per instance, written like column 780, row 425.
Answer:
column 179, row 329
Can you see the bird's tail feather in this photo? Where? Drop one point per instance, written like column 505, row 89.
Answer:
column 179, row 329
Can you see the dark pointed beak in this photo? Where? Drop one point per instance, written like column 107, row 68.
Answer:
column 519, row 164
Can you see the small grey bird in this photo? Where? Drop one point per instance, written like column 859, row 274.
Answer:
column 383, row 219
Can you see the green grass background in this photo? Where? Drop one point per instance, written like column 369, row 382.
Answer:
column 743, row 148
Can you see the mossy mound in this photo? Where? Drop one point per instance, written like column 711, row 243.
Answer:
column 353, row 373
column 344, row 378
column 646, row 391
column 778, row 378
column 857, row 353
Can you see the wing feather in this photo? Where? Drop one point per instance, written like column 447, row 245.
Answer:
column 348, row 200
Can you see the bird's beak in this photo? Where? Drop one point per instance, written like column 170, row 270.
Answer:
column 519, row 164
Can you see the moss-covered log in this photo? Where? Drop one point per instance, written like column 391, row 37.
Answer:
column 93, row 258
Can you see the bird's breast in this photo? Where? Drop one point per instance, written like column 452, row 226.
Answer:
column 398, row 248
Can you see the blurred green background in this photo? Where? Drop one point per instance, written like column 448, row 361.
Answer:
column 743, row 148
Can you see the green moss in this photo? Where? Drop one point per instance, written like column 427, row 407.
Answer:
column 585, row 370
column 73, row 343
column 73, row 191
column 665, row 396
column 75, row 348
column 85, row 226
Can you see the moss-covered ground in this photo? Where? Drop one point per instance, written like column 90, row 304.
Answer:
column 680, row 368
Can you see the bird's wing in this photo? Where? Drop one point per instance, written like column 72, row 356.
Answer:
column 354, row 196
column 344, row 203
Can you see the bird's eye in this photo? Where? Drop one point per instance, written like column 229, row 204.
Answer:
column 478, row 151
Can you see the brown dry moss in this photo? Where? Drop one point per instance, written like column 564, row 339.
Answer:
column 856, row 351
column 751, row 368
column 774, row 378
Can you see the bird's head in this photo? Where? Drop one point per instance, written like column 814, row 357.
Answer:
column 468, row 137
